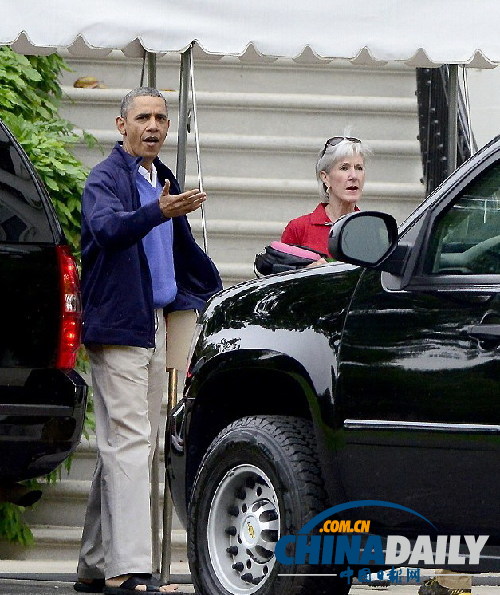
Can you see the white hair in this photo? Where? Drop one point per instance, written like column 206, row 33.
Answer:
column 330, row 154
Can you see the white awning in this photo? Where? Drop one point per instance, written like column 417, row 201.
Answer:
column 418, row 32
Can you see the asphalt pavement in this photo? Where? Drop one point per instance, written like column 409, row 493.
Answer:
column 53, row 584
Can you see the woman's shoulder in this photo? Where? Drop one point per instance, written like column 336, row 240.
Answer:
column 296, row 229
column 302, row 219
column 308, row 217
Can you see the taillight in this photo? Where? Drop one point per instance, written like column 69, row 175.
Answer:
column 71, row 311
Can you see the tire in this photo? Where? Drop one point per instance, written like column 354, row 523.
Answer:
column 259, row 479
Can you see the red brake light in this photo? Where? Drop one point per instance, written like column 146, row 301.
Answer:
column 71, row 311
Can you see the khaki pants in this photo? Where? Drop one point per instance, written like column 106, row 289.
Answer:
column 128, row 385
column 452, row 580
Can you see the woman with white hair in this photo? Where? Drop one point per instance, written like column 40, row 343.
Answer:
column 340, row 170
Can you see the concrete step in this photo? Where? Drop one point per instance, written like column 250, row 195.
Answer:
column 292, row 199
column 57, row 519
column 82, row 464
column 270, row 191
column 270, row 156
column 246, row 75
column 260, row 113
column 238, row 240
column 63, row 543
column 63, row 505
column 83, row 461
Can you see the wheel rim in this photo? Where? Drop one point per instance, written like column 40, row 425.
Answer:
column 243, row 528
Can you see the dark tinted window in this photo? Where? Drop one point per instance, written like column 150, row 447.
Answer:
column 22, row 213
column 466, row 239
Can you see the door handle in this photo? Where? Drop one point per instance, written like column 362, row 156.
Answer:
column 484, row 332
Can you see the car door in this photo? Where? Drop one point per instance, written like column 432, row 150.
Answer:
column 419, row 390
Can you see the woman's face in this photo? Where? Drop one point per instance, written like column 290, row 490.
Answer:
column 345, row 180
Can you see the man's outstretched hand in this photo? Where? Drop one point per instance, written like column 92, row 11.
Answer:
column 173, row 205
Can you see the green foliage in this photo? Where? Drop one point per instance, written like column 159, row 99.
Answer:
column 12, row 526
column 29, row 100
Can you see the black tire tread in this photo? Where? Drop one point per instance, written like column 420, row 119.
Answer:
column 296, row 441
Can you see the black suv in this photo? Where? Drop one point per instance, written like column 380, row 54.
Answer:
column 370, row 388
column 42, row 398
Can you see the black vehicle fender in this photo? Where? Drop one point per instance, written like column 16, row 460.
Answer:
column 236, row 384
column 267, row 348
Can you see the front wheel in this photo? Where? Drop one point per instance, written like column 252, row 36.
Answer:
column 260, row 479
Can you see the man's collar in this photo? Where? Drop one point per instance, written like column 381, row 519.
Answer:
column 150, row 176
column 132, row 160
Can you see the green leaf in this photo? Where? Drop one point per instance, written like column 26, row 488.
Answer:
column 13, row 528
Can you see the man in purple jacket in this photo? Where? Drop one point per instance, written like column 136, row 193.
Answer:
column 139, row 260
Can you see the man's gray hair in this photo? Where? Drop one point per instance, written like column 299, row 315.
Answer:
column 139, row 92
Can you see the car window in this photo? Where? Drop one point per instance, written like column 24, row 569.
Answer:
column 23, row 217
column 466, row 237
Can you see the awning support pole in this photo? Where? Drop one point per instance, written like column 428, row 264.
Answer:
column 198, row 156
column 184, row 76
column 184, row 84
column 151, row 69
column 155, row 465
column 452, row 117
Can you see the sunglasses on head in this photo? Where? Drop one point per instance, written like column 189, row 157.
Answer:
column 335, row 140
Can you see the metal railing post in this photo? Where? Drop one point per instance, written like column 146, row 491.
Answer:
column 166, row 549
column 155, row 506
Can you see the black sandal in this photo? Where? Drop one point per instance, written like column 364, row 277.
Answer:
column 96, row 585
column 129, row 586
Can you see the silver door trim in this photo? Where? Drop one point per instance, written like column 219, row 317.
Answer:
column 382, row 424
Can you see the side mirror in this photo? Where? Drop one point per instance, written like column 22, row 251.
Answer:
column 363, row 237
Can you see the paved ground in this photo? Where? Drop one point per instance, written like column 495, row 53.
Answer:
column 45, row 577
column 63, row 585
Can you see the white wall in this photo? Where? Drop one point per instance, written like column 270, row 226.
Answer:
column 484, row 93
